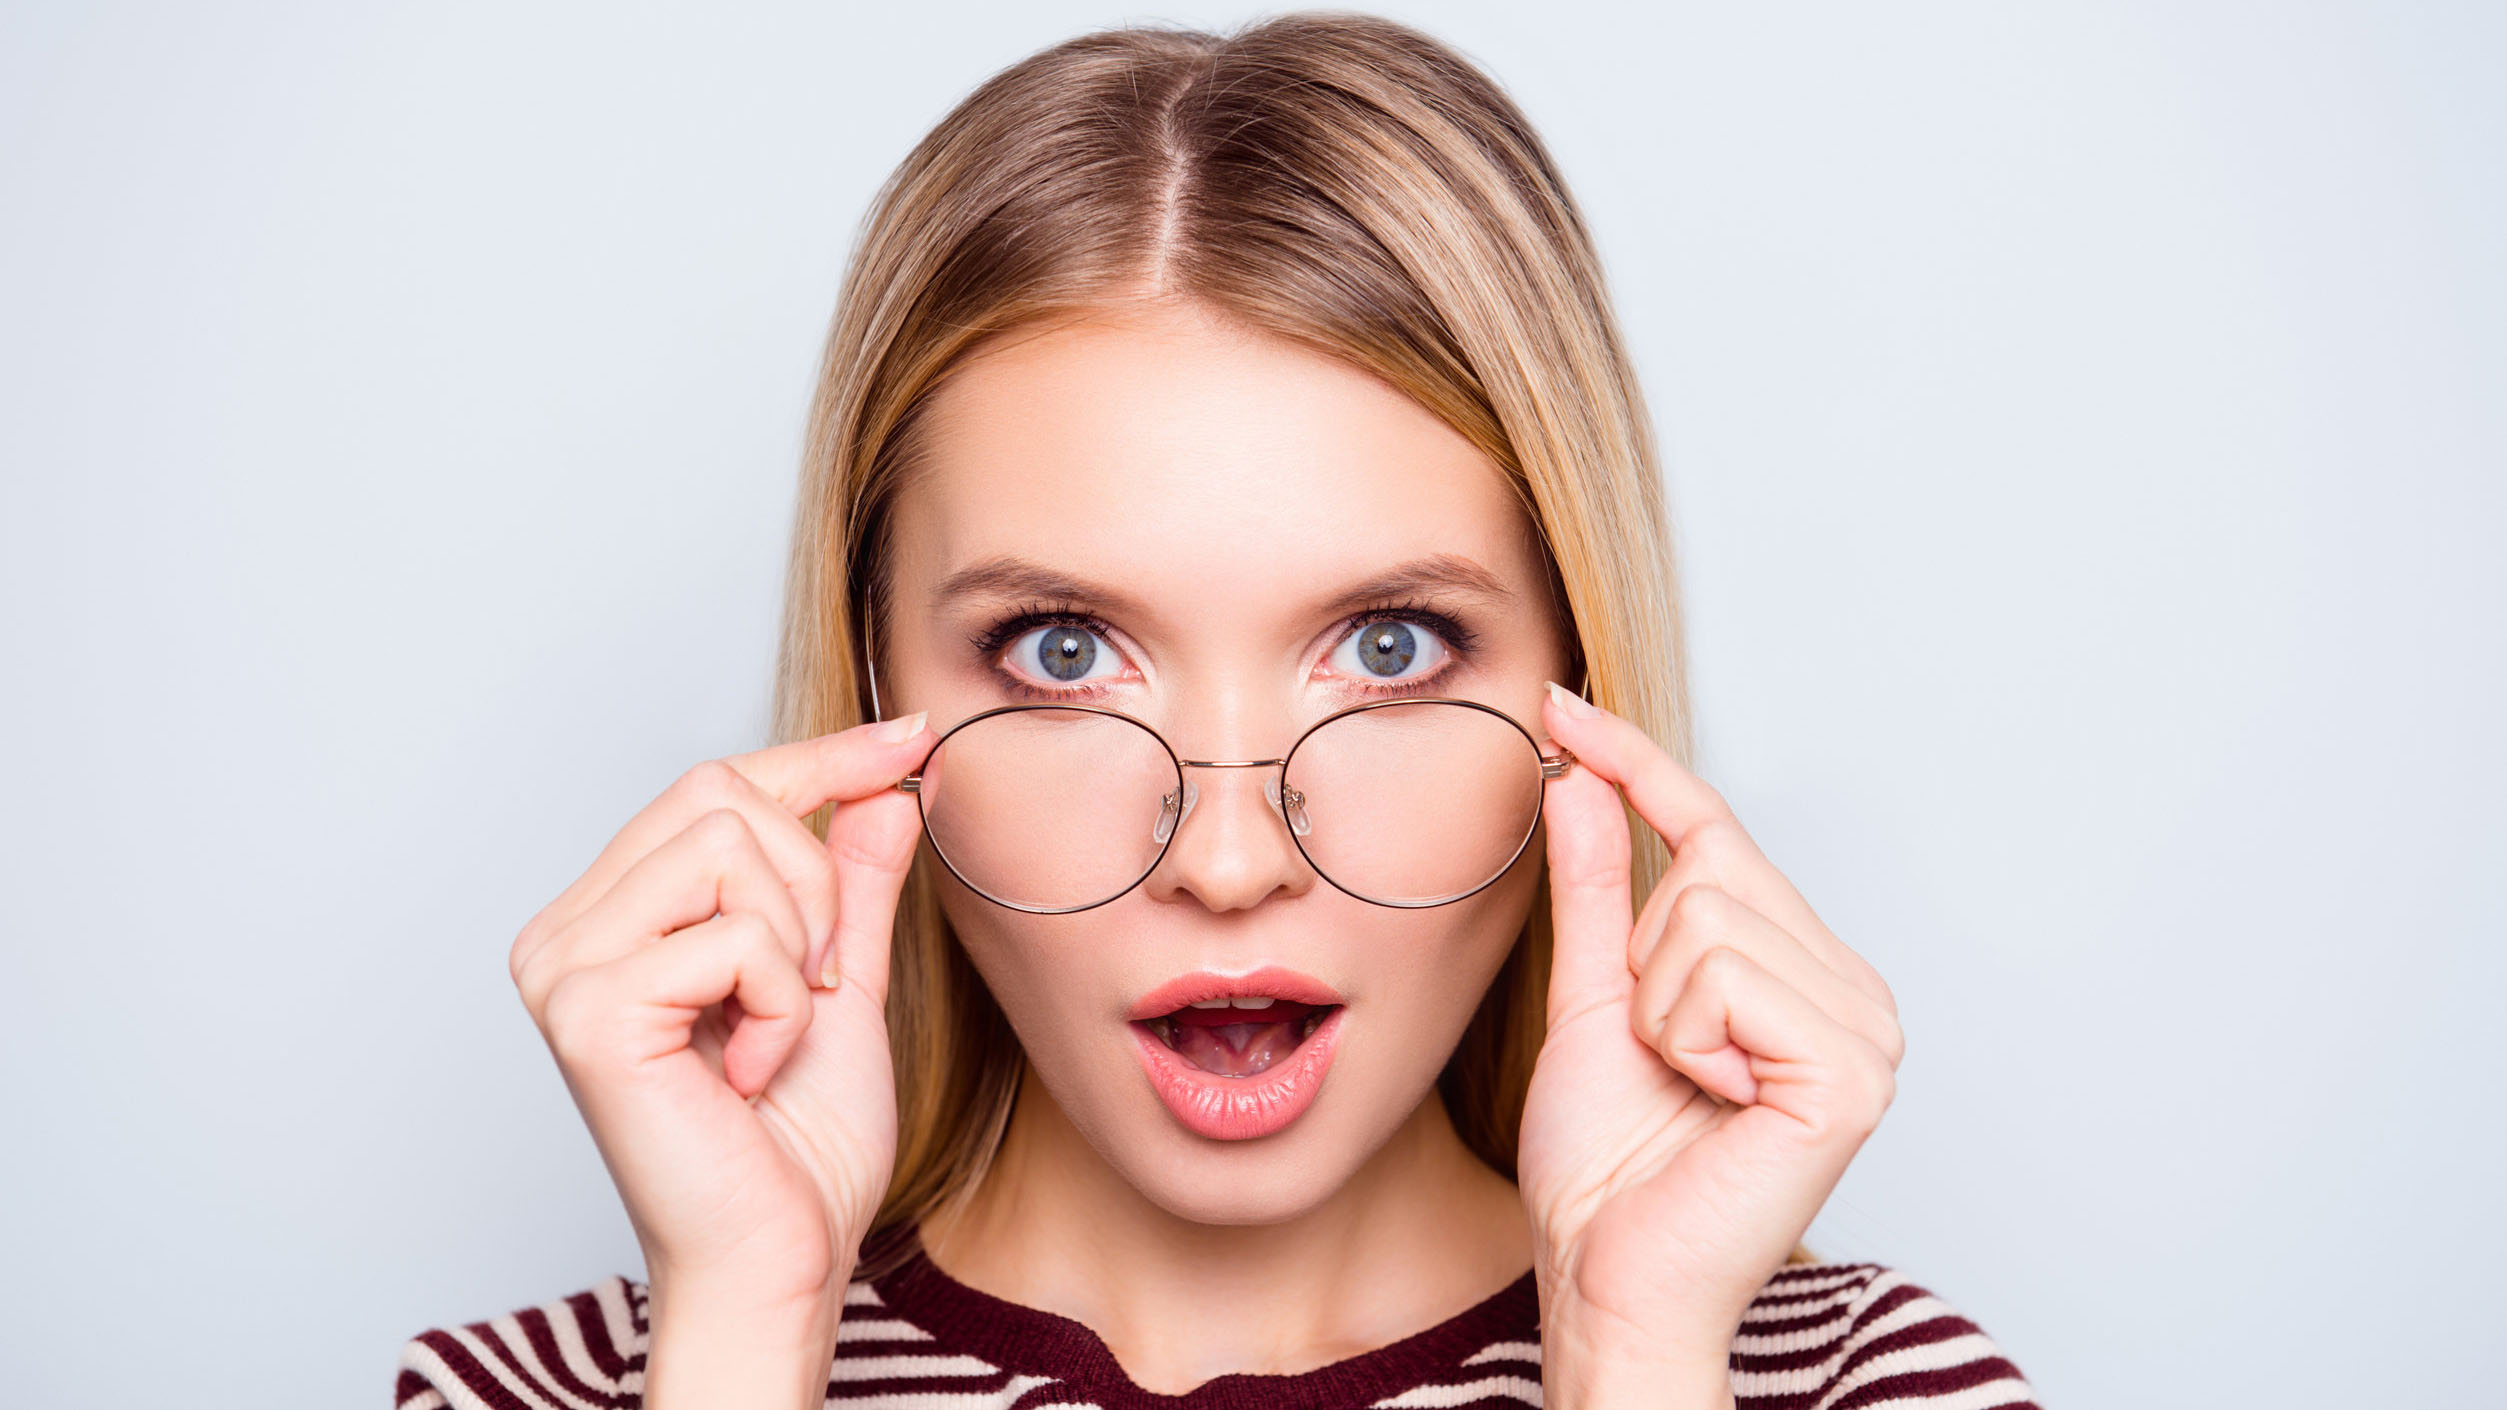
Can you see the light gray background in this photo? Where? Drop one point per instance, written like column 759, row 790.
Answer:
column 2085, row 431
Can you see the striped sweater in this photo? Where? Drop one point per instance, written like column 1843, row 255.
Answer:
column 1820, row 1336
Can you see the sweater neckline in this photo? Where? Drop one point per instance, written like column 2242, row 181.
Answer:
column 1032, row 1341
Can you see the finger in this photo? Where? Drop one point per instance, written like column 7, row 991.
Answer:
column 1743, row 1034
column 648, row 1001
column 1704, row 918
column 1590, row 882
column 783, row 784
column 808, row 774
column 1721, row 854
column 871, row 842
column 713, row 866
column 1670, row 798
column 1691, row 816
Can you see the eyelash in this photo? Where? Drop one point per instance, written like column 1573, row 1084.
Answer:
column 988, row 644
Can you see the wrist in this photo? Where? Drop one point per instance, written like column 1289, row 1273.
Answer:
column 1604, row 1382
column 1580, row 1371
column 713, row 1344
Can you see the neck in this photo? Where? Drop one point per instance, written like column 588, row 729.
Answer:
column 1421, row 1232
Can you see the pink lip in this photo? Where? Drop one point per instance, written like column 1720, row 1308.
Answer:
column 1270, row 981
column 1239, row 1108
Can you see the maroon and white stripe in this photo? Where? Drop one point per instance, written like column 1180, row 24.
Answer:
column 1825, row 1336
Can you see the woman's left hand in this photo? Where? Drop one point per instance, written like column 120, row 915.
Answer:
column 1710, row 1070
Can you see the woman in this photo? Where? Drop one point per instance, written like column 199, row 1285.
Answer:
column 1182, row 951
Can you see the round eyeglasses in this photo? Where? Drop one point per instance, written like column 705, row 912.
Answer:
column 1414, row 802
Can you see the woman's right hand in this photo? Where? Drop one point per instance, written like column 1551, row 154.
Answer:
column 747, row 1114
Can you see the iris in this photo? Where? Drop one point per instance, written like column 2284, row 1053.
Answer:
column 1066, row 655
column 1387, row 648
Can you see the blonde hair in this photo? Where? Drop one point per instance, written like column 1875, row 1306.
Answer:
column 1334, row 178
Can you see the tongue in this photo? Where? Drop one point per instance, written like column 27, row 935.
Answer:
column 1241, row 1046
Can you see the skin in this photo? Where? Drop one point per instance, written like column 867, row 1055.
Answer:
column 1711, row 1066
column 1229, row 486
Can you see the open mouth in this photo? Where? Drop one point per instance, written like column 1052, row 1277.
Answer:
column 1238, row 1037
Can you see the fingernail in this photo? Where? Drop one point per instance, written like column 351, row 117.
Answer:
column 900, row 730
column 828, row 975
column 1571, row 702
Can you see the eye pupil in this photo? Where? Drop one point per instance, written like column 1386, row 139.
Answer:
column 1068, row 655
column 1388, row 649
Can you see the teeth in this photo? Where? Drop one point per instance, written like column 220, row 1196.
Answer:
column 1241, row 1001
column 1211, row 1004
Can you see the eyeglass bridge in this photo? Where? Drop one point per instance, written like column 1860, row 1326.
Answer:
column 1290, row 803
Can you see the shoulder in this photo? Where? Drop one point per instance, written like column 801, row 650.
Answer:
column 1819, row 1332
column 584, row 1349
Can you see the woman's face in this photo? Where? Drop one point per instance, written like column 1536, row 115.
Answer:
column 1196, row 503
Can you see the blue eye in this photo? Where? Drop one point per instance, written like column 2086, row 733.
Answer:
column 1388, row 649
column 1062, row 654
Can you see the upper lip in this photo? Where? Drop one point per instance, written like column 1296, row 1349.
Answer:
column 1270, row 980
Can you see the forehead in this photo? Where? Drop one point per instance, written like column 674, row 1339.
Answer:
column 1197, row 463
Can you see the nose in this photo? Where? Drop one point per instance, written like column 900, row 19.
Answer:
column 1231, row 849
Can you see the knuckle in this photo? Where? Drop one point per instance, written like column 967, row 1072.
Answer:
column 1604, row 872
column 529, row 962
column 525, row 972
column 722, row 831
column 1880, row 1089
column 1715, row 800
column 1695, row 906
column 714, row 780
column 848, row 845
column 571, row 1018
column 1720, row 964
column 530, row 940
column 1716, row 834
column 1862, row 1098
column 752, row 934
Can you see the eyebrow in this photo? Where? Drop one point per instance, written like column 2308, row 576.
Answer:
column 1005, row 575
column 1447, row 572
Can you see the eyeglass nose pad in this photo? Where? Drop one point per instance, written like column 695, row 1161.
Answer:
column 1169, row 818
column 1292, row 806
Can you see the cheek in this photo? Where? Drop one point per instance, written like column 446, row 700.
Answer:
column 1487, row 934
column 1034, row 977
column 1432, row 978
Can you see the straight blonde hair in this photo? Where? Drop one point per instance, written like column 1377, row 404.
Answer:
column 1334, row 178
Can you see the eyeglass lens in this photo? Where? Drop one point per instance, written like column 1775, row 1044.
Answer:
column 1406, row 804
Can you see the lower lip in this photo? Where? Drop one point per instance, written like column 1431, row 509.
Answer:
column 1240, row 1108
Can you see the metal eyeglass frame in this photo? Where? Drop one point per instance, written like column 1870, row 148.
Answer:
column 1282, row 797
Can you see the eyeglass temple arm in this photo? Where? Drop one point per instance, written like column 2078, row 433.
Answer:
column 870, row 661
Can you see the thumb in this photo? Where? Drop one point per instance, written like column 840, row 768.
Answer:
column 1591, row 902
column 870, row 842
